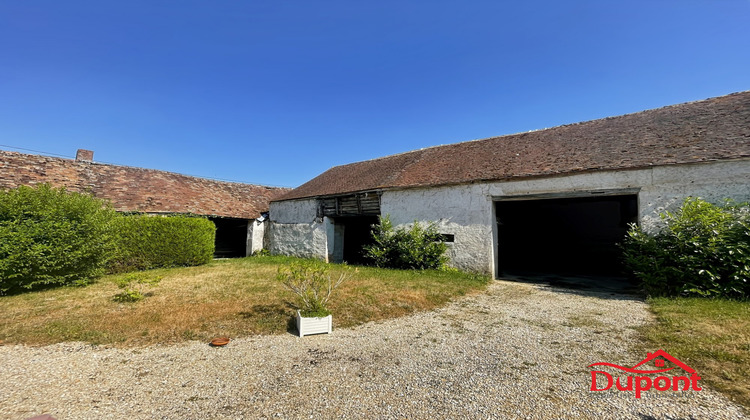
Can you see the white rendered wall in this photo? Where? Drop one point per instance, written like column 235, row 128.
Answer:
column 713, row 182
column 464, row 211
column 255, row 236
column 294, row 230
column 467, row 211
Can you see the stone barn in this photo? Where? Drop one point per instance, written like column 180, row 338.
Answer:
column 556, row 200
column 236, row 209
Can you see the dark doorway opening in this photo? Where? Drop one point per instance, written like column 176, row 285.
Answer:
column 357, row 234
column 564, row 236
column 231, row 237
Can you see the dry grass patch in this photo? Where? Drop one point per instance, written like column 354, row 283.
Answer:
column 236, row 298
column 710, row 335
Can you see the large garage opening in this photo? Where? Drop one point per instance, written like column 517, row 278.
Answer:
column 231, row 237
column 563, row 236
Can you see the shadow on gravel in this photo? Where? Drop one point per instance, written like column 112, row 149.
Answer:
column 603, row 287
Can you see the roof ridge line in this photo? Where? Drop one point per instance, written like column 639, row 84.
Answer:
column 144, row 169
column 573, row 124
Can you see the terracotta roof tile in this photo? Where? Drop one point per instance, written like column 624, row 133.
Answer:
column 138, row 189
column 711, row 129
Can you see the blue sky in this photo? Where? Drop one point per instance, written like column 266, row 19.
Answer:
column 276, row 92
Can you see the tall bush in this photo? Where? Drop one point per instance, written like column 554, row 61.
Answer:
column 145, row 242
column 49, row 236
column 311, row 283
column 417, row 247
column 703, row 250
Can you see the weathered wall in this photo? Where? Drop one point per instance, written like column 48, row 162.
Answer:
column 256, row 233
column 335, row 240
column 467, row 211
column 713, row 182
column 294, row 230
column 464, row 211
column 659, row 188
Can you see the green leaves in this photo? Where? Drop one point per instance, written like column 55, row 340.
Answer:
column 703, row 250
column 145, row 242
column 133, row 286
column 49, row 236
column 417, row 247
column 310, row 281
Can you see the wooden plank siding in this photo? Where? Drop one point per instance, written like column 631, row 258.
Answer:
column 359, row 204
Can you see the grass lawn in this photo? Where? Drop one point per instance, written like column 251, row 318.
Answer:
column 710, row 335
column 236, row 297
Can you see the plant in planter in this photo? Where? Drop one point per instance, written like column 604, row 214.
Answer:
column 313, row 286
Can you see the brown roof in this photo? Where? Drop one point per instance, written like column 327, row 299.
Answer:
column 711, row 129
column 138, row 189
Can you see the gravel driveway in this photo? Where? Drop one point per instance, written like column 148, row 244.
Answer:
column 516, row 351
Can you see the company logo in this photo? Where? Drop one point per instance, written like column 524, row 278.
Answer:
column 644, row 383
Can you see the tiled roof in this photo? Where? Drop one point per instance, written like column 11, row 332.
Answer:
column 138, row 189
column 711, row 129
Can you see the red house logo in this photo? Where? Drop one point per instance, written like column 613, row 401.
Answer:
column 644, row 383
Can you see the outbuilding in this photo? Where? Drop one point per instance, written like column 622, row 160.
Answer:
column 556, row 200
column 238, row 210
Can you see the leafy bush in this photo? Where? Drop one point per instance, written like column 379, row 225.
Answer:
column 49, row 236
column 145, row 242
column 703, row 250
column 133, row 286
column 310, row 281
column 418, row 247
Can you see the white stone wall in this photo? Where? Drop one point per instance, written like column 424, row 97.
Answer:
column 255, row 236
column 293, row 211
column 294, row 230
column 464, row 211
column 659, row 188
column 467, row 211
column 335, row 240
column 713, row 182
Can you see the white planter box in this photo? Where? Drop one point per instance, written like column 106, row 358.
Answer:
column 309, row 326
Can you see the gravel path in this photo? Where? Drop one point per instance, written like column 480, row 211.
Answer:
column 516, row 351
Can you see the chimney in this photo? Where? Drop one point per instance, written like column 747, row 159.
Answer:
column 84, row 155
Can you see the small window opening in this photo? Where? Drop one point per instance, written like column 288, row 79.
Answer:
column 446, row 237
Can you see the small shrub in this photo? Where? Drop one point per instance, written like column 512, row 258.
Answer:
column 418, row 247
column 703, row 250
column 50, row 236
column 133, row 286
column 145, row 242
column 312, row 284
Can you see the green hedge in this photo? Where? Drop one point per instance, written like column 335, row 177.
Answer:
column 145, row 242
column 49, row 236
column 703, row 250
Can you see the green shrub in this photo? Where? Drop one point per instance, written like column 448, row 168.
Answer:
column 133, row 286
column 703, row 250
column 418, row 247
column 49, row 236
column 310, row 281
column 145, row 242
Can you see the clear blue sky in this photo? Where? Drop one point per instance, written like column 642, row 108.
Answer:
column 276, row 92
